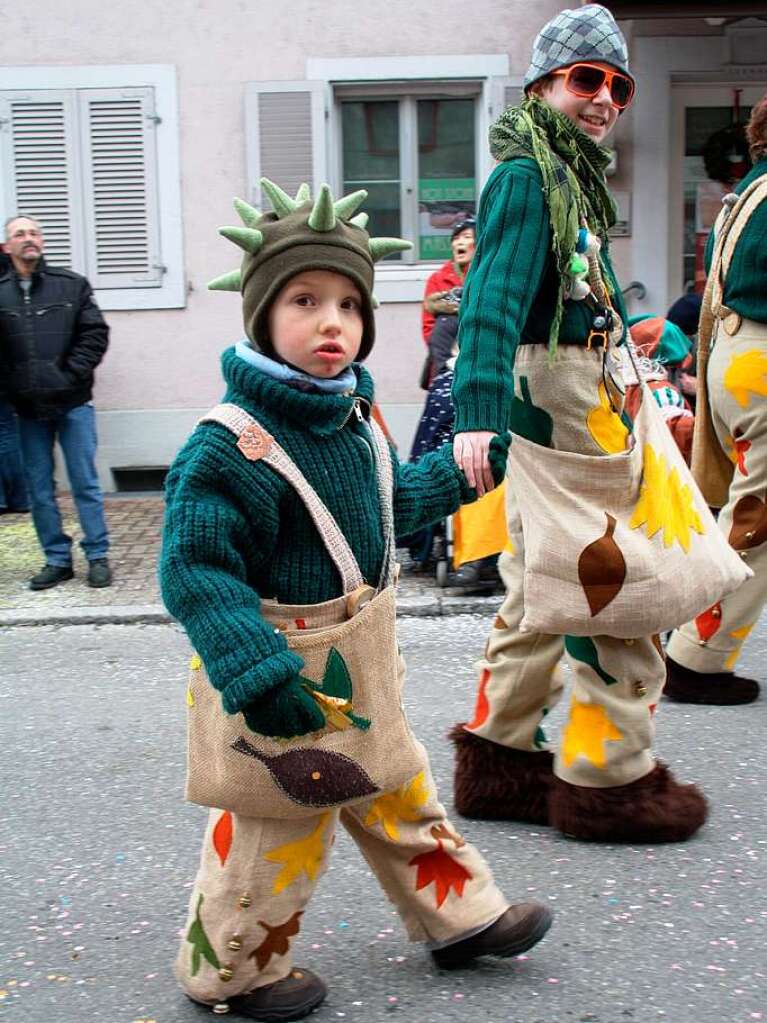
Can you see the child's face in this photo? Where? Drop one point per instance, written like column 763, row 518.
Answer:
column 596, row 115
column 315, row 323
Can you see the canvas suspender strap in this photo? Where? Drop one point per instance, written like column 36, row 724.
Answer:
column 385, row 480
column 256, row 444
column 728, row 233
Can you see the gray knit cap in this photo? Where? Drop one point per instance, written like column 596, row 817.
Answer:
column 584, row 33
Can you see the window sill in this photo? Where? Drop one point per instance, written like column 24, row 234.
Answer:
column 403, row 283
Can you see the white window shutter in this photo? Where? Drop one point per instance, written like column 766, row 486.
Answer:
column 117, row 131
column 286, row 136
column 40, row 169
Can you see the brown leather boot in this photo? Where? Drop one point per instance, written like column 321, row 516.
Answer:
column 721, row 688
column 293, row 997
column 518, row 929
column 494, row 782
column 656, row 808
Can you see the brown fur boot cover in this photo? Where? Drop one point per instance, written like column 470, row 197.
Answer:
column 722, row 689
column 653, row 809
column 494, row 782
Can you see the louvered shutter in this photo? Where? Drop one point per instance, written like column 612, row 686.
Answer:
column 285, row 131
column 117, row 130
column 40, row 169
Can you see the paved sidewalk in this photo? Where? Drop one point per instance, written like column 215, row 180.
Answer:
column 135, row 524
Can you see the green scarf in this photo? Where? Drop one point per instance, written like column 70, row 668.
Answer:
column 572, row 166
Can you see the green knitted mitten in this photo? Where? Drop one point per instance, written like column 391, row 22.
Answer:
column 284, row 712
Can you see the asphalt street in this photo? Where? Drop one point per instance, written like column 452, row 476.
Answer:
column 98, row 852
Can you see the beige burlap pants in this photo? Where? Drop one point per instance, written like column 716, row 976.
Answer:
column 257, row 876
column 737, row 386
column 617, row 683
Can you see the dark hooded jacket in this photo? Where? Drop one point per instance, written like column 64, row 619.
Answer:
column 51, row 341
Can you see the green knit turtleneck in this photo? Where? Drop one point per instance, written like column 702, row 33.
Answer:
column 235, row 531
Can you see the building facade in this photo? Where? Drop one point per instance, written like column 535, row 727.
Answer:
column 128, row 131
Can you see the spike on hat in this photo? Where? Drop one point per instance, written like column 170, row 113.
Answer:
column 329, row 235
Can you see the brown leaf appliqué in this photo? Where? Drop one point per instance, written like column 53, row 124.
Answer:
column 602, row 569
column 276, row 942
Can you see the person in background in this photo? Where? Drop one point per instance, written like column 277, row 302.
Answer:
column 701, row 656
column 437, row 299
column 685, row 313
column 52, row 338
column 665, row 349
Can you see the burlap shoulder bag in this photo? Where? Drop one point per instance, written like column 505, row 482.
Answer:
column 352, row 669
column 618, row 545
column 711, row 467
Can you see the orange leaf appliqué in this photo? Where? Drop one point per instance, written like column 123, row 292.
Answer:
column 439, row 868
column 222, row 836
column 482, row 708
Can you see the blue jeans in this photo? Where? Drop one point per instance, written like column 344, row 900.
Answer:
column 13, row 489
column 76, row 433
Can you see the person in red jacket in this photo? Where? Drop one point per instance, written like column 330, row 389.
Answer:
column 450, row 275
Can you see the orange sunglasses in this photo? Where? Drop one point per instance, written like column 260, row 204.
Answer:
column 586, row 80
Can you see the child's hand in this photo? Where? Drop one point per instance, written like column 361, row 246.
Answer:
column 284, row 712
column 497, row 455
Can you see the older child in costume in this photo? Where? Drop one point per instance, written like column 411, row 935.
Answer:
column 702, row 654
column 534, row 356
column 282, row 503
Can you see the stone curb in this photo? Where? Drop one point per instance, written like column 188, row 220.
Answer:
column 155, row 614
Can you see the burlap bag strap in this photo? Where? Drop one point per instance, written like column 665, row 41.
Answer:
column 256, row 444
column 385, row 477
column 711, row 467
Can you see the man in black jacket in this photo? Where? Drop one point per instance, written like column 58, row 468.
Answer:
column 52, row 337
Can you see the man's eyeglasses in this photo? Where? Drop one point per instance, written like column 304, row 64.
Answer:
column 586, row 80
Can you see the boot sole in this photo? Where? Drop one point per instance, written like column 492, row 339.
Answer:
column 513, row 948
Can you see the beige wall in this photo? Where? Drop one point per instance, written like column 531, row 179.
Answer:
column 168, row 359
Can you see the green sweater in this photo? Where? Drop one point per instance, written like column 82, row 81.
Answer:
column 745, row 289
column 235, row 531
column 510, row 296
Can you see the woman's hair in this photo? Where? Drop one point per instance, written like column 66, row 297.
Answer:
column 756, row 130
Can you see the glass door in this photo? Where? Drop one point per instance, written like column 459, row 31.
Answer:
column 710, row 158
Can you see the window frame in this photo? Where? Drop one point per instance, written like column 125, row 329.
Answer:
column 404, row 282
column 171, row 294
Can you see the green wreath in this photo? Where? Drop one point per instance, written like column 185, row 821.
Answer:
column 720, row 147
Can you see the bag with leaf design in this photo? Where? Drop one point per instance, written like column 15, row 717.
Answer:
column 618, row 545
column 352, row 668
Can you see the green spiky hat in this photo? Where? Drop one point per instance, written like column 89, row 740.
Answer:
column 302, row 234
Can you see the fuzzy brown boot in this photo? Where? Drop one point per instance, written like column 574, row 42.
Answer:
column 494, row 782
column 652, row 809
column 721, row 689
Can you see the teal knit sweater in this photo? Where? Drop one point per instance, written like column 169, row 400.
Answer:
column 235, row 531
column 510, row 296
column 745, row 289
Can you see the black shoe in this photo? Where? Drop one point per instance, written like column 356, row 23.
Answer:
column 718, row 689
column 99, row 572
column 521, row 926
column 51, row 575
column 293, row 997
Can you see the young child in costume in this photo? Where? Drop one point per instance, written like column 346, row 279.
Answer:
column 537, row 301
column 281, row 507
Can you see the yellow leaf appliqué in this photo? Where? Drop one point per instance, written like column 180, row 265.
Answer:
column 747, row 375
column 588, row 729
column 739, row 634
column 301, row 857
column 665, row 503
column 400, row 805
